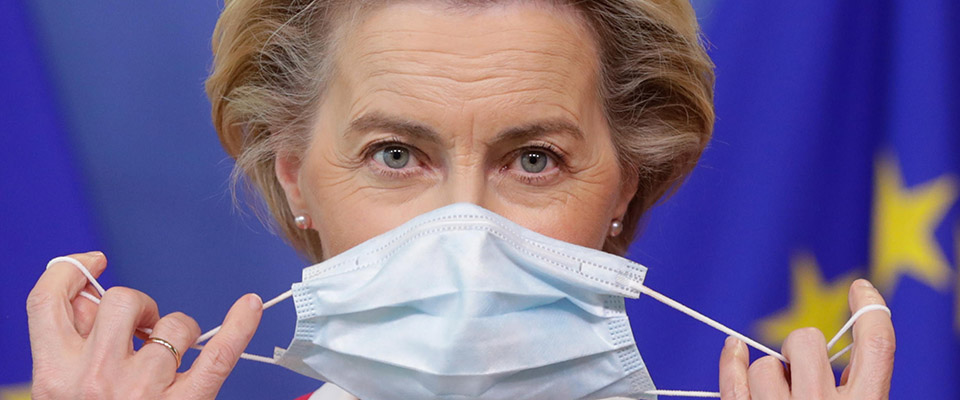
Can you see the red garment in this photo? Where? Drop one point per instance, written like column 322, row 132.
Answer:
column 304, row 397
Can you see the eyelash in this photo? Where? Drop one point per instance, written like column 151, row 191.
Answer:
column 379, row 145
column 558, row 156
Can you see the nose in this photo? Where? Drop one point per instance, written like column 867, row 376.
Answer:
column 467, row 183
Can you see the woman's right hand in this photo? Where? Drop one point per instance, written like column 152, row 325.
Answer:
column 85, row 351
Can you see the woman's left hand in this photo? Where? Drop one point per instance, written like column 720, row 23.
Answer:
column 810, row 376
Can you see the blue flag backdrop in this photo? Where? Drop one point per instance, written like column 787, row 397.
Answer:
column 42, row 209
column 836, row 155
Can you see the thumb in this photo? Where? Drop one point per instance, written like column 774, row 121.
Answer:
column 221, row 353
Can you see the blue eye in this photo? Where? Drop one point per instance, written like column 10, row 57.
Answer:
column 536, row 165
column 395, row 157
column 534, row 161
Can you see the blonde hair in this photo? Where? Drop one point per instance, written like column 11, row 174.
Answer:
column 271, row 58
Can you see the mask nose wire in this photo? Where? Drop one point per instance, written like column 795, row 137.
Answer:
column 198, row 346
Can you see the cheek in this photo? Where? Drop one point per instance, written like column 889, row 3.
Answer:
column 570, row 224
column 585, row 219
column 345, row 225
column 342, row 215
column 579, row 213
column 346, row 207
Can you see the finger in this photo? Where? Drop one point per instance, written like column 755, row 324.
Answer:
column 155, row 359
column 734, row 360
column 51, row 319
column 221, row 353
column 121, row 311
column 84, row 312
column 810, row 371
column 871, row 364
column 767, row 379
column 84, row 309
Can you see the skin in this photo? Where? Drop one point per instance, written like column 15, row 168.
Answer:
column 479, row 82
column 810, row 375
column 463, row 97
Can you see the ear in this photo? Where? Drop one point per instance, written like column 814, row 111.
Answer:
column 628, row 189
column 287, row 168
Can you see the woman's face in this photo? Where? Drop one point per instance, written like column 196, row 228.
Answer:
column 429, row 107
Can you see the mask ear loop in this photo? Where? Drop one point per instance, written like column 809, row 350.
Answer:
column 198, row 346
column 93, row 281
column 246, row 356
column 267, row 304
column 846, row 327
column 723, row 328
column 621, row 279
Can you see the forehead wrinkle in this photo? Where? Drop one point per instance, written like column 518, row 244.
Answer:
column 376, row 32
column 428, row 91
column 534, row 75
column 572, row 21
column 537, row 95
column 371, row 40
column 542, row 88
column 497, row 60
column 546, row 24
column 494, row 76
column 505, row 100
column 399, row 93
column 372, row 54
column 554, row 60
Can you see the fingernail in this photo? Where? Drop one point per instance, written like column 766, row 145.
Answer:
column 864, row 283
column 254, row 301
column 96, row 259
column 731, row 341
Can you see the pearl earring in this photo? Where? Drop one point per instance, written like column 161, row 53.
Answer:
column 302, row 221
column 615, row 228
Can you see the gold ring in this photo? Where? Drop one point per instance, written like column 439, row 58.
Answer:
column 173, row 350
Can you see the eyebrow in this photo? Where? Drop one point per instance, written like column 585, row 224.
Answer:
column 379, row 121
column 541, row 128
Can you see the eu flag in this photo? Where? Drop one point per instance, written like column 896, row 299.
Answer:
column 836, row 155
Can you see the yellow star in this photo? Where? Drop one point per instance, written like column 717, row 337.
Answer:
column 15, row 392
column 904, row 221
column 956, row 288
column 813, row 303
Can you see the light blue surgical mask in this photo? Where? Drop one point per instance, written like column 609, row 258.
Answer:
column 461, row 303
